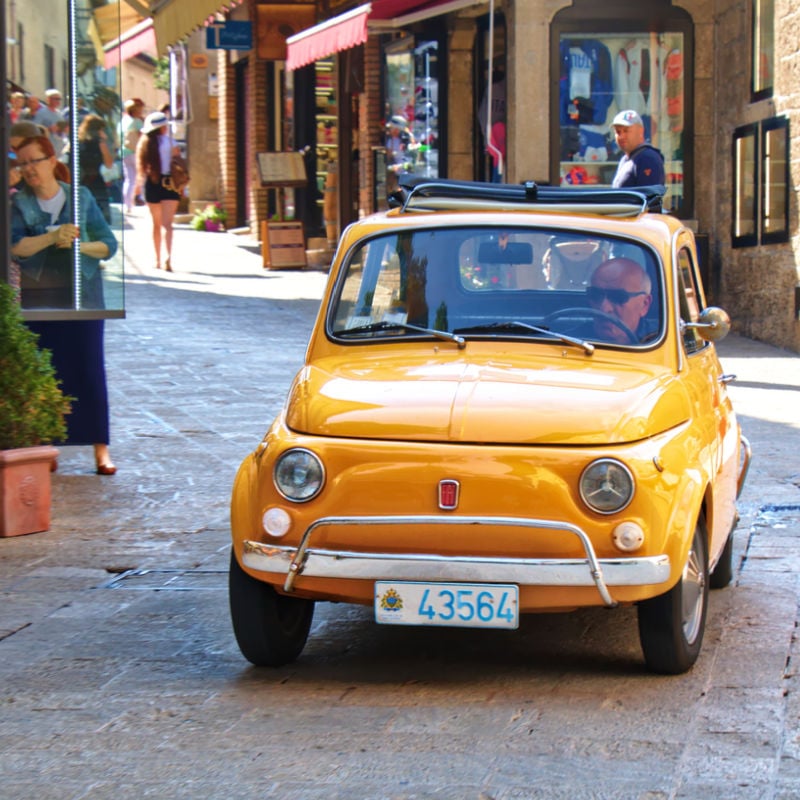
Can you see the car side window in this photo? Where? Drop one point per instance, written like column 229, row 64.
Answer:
column 688, row 300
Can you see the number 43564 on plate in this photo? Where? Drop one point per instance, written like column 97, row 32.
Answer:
column 463, row 605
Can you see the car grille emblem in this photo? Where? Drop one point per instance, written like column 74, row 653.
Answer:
column 448, row 495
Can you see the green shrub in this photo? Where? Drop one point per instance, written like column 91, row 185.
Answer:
column 213, row 212
column 32, row 405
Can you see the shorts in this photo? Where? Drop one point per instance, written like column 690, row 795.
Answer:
column 156, row 192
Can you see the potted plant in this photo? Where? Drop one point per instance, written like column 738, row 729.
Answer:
column 32, row 415
column 212, row 218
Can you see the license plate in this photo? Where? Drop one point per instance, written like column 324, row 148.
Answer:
column 464, row 605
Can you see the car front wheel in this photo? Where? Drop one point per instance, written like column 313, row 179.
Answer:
column 671, row 626
column 271, row 629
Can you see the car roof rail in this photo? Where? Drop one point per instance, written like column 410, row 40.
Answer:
column 417, row 193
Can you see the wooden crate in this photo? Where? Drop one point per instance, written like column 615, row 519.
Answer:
column 283, row 245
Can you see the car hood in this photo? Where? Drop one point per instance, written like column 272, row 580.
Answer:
column 533, row 401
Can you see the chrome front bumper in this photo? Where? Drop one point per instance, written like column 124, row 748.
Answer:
column 744, row 466
column 588, row 571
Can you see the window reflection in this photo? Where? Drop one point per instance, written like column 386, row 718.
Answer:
column 80, row 160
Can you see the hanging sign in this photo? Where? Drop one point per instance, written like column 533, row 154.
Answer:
column 230, row 35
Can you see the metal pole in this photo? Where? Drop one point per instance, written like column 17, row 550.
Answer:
column 5, row 217
column 74, row 148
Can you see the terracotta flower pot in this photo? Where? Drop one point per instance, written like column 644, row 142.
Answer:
column 25, row 489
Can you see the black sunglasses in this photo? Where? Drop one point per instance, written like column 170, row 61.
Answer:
column 617, row 297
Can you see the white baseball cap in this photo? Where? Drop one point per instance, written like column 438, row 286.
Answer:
column 627, row 118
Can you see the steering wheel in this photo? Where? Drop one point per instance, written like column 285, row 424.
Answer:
column 594, row 314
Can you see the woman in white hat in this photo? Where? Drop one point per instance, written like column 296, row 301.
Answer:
column 153, row 159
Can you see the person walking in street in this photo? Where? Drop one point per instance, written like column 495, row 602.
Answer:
column 95, row 153
column 48, row 115
column 153, row 159
column 131, row 129
column 16, row 106
column 42, row 236
column 641, row 163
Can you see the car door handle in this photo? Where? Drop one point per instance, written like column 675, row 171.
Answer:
column 726, row 378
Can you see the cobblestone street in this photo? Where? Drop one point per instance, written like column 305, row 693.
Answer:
column 121, row 678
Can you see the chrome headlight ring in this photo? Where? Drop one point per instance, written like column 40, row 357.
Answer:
column 298, row 475
column 607, row 486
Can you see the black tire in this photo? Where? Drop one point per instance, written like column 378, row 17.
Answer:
column 271, row 629
column 671, row 626
column 723, row 571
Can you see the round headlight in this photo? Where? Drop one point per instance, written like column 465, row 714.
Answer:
column 606, row 486
column 299, row 475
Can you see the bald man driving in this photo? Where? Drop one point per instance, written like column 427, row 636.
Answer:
column 620, row 289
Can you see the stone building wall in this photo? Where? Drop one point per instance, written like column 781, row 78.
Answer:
column 756, row 285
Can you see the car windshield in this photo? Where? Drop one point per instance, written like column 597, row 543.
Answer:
column 481, row 282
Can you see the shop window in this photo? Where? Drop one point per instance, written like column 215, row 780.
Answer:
column 490, row 60
column 327, row 145
column 761, row 183
column 601, row 65
column 763, row 67
column 411, row 110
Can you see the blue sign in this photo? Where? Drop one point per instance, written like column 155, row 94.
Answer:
column 229, row 35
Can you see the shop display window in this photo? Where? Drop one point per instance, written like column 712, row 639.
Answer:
column 602, row 74
column 411, row 110
column 761, row 183
column 327, row 138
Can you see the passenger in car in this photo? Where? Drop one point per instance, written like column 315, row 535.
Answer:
column 569, row 261
column 621, row 289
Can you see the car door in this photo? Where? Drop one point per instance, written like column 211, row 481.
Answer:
column 713, row 417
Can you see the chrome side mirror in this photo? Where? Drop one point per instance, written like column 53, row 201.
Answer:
column 713, row 324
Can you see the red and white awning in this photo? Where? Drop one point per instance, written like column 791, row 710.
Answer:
column 332, row 36
column 140, row 38
column 352, row 28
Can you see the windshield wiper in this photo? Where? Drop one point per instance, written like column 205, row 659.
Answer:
column 587, row 347
column 376, row 327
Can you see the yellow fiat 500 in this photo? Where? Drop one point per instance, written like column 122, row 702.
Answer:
column 510, row 403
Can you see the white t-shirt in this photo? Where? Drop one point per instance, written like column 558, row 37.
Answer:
column 53, row 206
column 165, row 147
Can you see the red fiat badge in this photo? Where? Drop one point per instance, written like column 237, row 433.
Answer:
column 448, row 494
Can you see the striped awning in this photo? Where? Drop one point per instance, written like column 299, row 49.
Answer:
column 140, row 38
column 174, row 20
column 351, row 28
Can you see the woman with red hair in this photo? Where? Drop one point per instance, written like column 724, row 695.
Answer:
column 42, row 237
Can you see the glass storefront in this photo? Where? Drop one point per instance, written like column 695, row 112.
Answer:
column 411, row 111
column 602, row 74
column 85, row 280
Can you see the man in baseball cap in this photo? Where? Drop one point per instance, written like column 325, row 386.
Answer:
column 641, row 163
